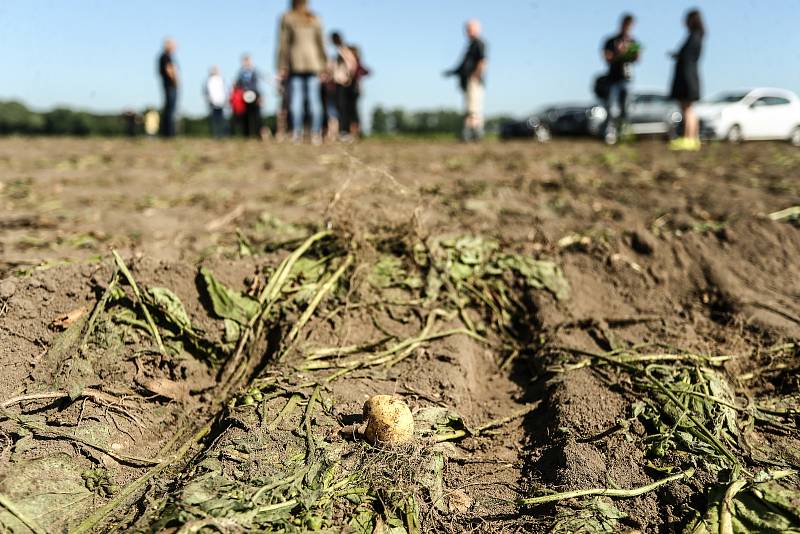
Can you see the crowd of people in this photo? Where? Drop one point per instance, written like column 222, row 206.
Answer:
column 621, row 51
column 318, row 94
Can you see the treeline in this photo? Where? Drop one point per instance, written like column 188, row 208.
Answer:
column 398, row 121
column 16, row 118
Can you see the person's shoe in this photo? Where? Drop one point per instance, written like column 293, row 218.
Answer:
column 677, row 144
column 316, row 140
column 685, row 144
column 610, row 138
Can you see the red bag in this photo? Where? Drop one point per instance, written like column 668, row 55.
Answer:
column 238, row 104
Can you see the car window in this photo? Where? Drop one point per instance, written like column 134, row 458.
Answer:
column 648, row 99
column 776, row 101
column 768, row 101
column 728, row 98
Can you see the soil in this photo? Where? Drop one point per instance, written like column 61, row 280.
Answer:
column 658, row 248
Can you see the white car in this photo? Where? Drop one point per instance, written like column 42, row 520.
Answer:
column 762, row 114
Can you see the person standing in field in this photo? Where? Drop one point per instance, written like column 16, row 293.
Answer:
column 215, row 96
column 301, row 61
column 343, row 71
column 361, row 72
column 470, row 77
column 686, row 82
column 248, row 82
column 168, row 71
column 620, row 52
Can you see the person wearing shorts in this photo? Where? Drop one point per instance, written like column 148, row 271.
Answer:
column 470, row 76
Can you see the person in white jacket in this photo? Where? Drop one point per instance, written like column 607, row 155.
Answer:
column 215, row 96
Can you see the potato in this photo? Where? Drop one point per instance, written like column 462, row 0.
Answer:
column 389, row 421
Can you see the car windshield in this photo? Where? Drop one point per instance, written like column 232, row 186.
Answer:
column 727, row 98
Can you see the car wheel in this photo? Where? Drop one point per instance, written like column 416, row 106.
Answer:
column 735, row 134
column 543, row 134
column 795, row 137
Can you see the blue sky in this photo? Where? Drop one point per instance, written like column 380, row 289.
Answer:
column 100, row 54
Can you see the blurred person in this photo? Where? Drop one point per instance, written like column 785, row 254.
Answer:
column 238, row 110
column 152, row 122
column 686, row 82
column 620, row 52
column 470, row 77
column 248, row 81
column 215, row 96
column 343, row 71
column 131, row 120
column 168, row 71
column 301, row 61
column 361, row 72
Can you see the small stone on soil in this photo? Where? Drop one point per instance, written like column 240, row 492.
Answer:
column 7, row 289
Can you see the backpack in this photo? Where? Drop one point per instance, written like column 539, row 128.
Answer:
column 602, row 84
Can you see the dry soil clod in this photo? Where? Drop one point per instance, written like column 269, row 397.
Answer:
column 389, row 421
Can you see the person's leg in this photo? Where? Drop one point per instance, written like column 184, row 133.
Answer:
column 332, row 113
column 691, row 130
column 247, row 121
column 217, row 120
column 172, row 101
column 623, row 102
column 341, row 109
column 257, row 120
column 355, row 121
column 477, row 111
column 469, row 99
column 692, row 123
column 164, row 127
column 352, row 110
column 221, row 121
column 173, row 112
column 611, row 97
column 296, row 89
column 314, row 105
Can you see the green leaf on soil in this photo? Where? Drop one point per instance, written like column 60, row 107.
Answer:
column 538, row 274
column 227, row 303
column 364, row 521
column 592, row 516
column 432, row 477
column 390, row 272
column 769, row 507
column 171, row 307
column 434, row 420
column 48, row 490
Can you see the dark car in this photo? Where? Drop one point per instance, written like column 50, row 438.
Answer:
column 649, row 113
column 530, row 128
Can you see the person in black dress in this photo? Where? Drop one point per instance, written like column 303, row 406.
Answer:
column 686, row 82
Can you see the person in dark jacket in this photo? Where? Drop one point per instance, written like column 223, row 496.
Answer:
column 470, row 73
column 620, row 52
column 249, row 82
column 168, row 72
column 686, row 82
